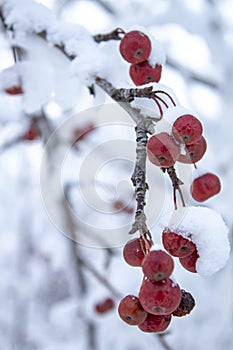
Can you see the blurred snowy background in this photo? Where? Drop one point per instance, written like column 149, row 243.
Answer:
column 49, row 284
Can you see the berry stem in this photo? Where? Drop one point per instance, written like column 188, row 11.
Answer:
column 176, row 183
column 167, row 94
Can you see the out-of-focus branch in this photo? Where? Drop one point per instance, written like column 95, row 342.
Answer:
column 186, row 72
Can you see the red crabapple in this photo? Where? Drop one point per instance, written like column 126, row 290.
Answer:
column 133, row 251
column 31, row 134
column 194, row 151
column 159, row 298
column 131, row 311
column 176, row 244
column 157, row 265
column 187, row 129
column 104, row 306
column 14, row 90
column 187, row 303
column 162, row 150
column 155, row 323
column 135, row 47
column 144, row 73
column 189, row 261
column 205, row 186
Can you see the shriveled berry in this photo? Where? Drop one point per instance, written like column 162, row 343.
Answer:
column 131, row 311
column 189, row 261
column 135, row 47
column 187, row 129
column 134, row 251
column 160, row 298
column 14, row 90
column 176, row 244
column 194, row 151
column 144, row 73
column 157, row 265
column 104, row 306
column 162, row 150
column 155, row 323
column 205, row 186
column 187, row 303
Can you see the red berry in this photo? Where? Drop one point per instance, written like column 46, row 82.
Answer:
column 205, row 186
column 135, row 47
column 176, row 244
column 187, row 303
column 14, row 90
column 31, row 134
column 155, row 323
column 104, row 306
column 131, row 311
column 144, row 73
column 159, row 298
column 187, row 129
column 133, row 251
column 194, row 151
column 162, row 150
column 189, row 261
column 157, row 265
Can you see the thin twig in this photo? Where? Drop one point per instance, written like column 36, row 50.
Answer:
column 176, row 183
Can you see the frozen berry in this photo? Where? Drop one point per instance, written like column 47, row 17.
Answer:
column 160, row 298
column 135, row 47
column 187, row 303
column 134, row 251
column 104, row 306
column 194, row 151
column 155, row 323
column 144, row 73
column 176, row 244
column 205, row 186
column 131, row 311
column 189, row 261
column 162, row 150
column 157, row 265
column 14, row 90
column 31, row 134
column 187, row 129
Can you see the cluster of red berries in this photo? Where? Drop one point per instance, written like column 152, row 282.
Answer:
column 135, row 48
column 164, row 150
column 160, row 297
column 182, row 248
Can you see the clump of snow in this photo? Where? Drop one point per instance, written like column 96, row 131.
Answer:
column 207, row 230
column 157, row 55
column 9, row 77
